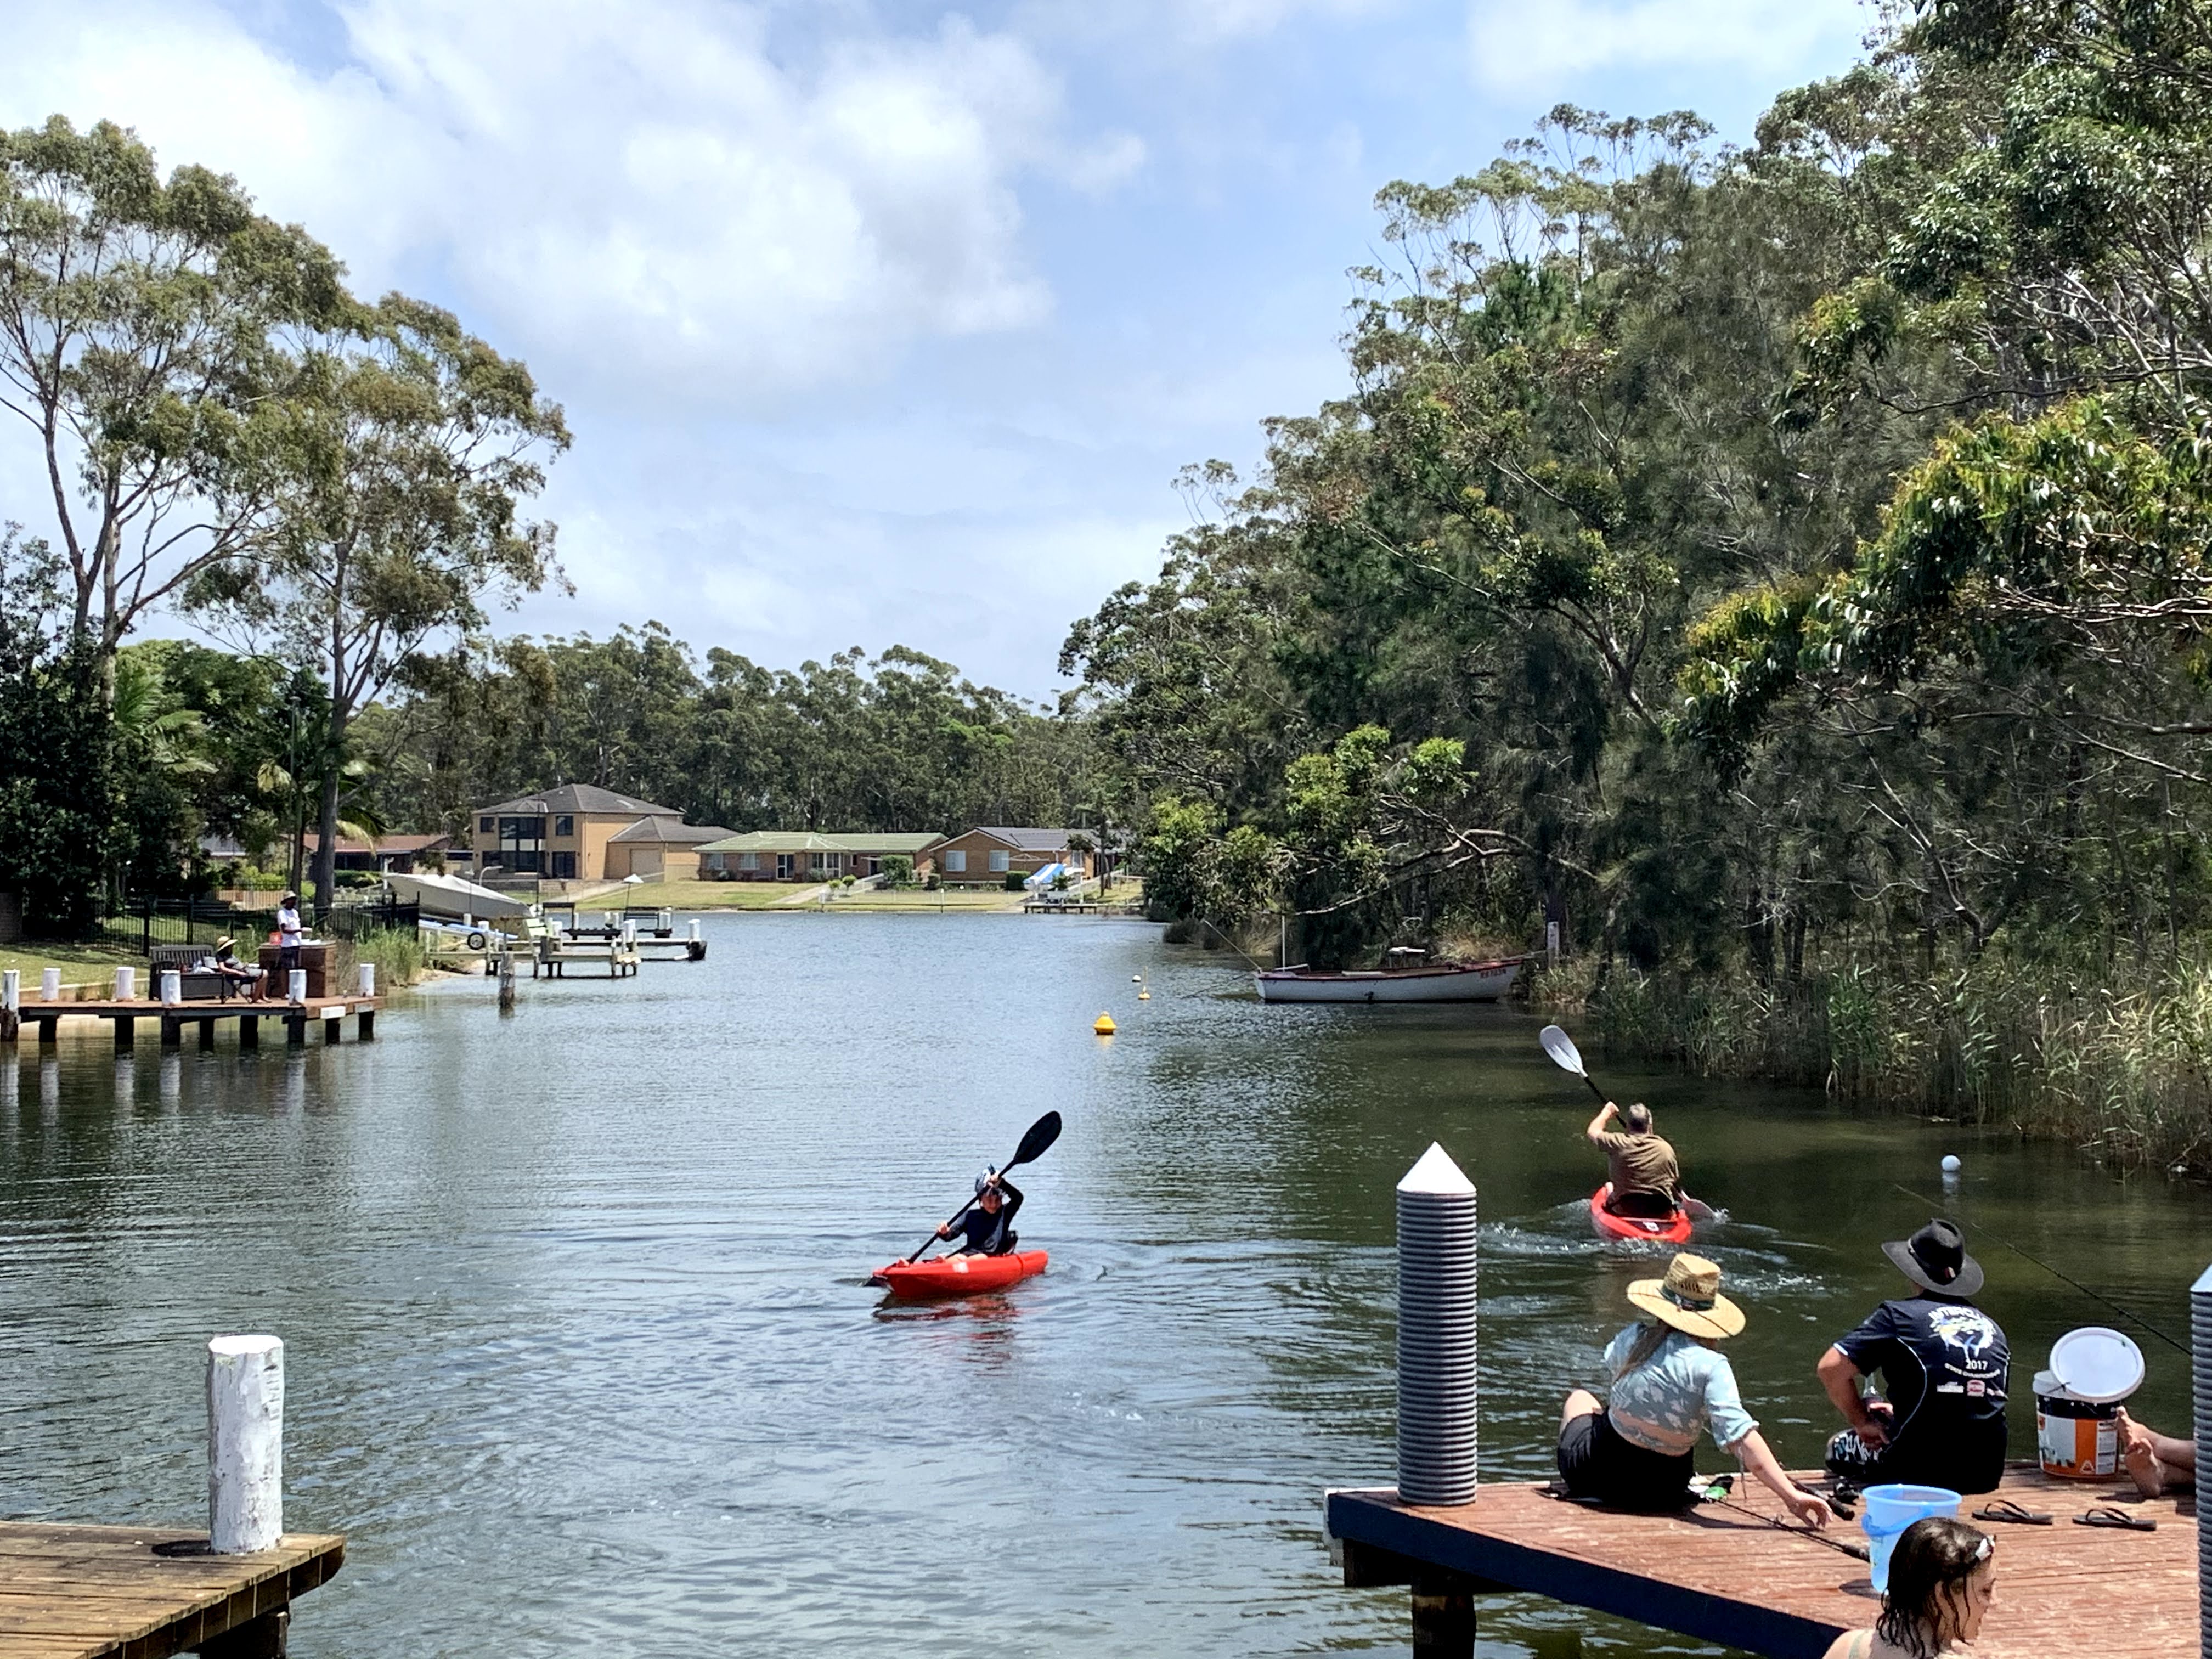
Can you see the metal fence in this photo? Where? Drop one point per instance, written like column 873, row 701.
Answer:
column 148, row 922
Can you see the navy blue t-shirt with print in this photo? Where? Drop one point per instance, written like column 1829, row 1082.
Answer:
column 1945, row 1367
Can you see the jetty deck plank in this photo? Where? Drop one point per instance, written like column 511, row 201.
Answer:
column 1721, row 1575
column 77, row 1592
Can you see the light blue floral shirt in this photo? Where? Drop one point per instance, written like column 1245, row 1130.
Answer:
column 1662, row 1404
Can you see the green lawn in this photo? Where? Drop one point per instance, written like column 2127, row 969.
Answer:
column 78, row 962
column 770, row 895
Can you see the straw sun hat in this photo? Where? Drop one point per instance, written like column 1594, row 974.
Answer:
column 1689, row 1299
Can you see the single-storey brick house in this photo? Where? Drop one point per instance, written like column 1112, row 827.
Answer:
column 580, row 832
column 809, row 854
column 985, row 857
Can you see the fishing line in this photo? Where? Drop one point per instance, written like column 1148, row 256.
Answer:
column 2094, row 1296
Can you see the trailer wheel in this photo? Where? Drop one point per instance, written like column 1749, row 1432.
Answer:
column 476, row 941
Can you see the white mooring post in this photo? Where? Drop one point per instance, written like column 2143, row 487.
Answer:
column 295, row 985
column 170, row 987
column 694, row 926
column 1436, row 1332
column 2200, row 1392
column 49, row 985
column 126, row 984
column 11, row 989
column 366, row 972
column 246, row 1443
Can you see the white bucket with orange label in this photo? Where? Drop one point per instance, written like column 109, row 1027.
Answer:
column 2075, row 1439
column 2077, row 1402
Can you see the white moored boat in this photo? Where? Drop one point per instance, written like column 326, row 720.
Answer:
column 1473, row 981
column 451, row 897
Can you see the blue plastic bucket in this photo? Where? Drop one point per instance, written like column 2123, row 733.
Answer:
column 1890, row 1510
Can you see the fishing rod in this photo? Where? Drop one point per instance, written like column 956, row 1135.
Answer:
column 1856, row 1551
column 2094, row 1296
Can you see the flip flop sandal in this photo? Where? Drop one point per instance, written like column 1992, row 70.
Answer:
column 2005, row 1509
column 2104, row 1516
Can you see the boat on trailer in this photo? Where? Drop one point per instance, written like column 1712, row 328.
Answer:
column 1442, row 982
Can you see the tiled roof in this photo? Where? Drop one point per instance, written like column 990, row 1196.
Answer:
column 669, row 829
column 382, row 844
column 1027, row 841
column 581, row 798
column 813, row 841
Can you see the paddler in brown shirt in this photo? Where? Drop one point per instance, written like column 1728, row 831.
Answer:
column 1646, row 1179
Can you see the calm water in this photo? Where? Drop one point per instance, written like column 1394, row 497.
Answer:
column 581, row 1358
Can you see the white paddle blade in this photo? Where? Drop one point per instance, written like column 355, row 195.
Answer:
column 1561, row 1047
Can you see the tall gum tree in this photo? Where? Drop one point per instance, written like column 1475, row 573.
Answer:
column 141, row 338
column 396, row 515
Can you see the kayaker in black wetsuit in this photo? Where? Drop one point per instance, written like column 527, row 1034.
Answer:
column 988, row 1228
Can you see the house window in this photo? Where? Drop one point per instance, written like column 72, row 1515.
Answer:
column 749, row 861
column 956, row 864
column 522, row 829
column 999, row 864
column 783, row 866
column 523, row 863
column 486, row 825
column 564, row 865
column 565, row 825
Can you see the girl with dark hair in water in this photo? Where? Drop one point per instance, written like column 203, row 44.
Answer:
column 1942, row 1577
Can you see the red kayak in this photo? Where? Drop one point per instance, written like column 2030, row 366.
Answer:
column 960, row 1275
column 1643, row 1228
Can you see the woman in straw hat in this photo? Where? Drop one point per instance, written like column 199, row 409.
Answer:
column 1634, row 1451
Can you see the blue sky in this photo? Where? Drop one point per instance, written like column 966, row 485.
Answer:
column 878, row 322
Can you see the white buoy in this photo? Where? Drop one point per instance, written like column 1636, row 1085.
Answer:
column 126, row 984
column 1950, row 1164
column 49, row 985
column 367, row 971
column 1436, row 1283
column 246, row 1443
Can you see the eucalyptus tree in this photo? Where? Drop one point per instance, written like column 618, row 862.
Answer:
column 141, row 342
column 409, row 448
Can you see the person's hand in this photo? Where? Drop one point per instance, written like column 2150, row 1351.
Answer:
column 1873, row 1433
column 1610, row 1111
column 944, row 1231
column 1811, row 1509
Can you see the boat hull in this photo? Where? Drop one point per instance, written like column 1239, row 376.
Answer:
column 1639, row 1229
column 959, row 1275
column 1483, row 982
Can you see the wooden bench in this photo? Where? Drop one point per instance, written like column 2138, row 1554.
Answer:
column 181, row 959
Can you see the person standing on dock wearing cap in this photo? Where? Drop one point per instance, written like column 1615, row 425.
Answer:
column 288, row 931
column 1946, row 1365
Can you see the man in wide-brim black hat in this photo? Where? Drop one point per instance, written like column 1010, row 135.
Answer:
column 1944, row 1365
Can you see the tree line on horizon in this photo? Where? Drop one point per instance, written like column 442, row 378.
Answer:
column 1738, row 557
column 338, row 490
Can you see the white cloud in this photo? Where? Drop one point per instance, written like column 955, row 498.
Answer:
column 641, row 197
column 1517, row 46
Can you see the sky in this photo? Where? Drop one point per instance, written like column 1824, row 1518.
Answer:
column 877, row 323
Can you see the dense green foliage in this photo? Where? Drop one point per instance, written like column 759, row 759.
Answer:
column 1804, row 547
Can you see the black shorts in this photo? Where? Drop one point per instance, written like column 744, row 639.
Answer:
column 1595, row 1462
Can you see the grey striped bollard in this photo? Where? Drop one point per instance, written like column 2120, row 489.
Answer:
column 2200, row 1397
column 1436, row 1332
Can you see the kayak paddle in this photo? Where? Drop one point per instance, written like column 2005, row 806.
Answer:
column 1034, row 1145
column 1568, row 1058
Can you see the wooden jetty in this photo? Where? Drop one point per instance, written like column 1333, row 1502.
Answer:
column 70, row 1592
column 1090, row 907
column 171, row 1018
column 552, row 957
column 1717, row 1573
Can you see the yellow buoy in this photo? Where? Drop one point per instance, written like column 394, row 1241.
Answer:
column 1104, row 1026
column 1143, row 996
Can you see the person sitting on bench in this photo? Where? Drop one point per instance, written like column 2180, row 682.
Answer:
column 226, row 966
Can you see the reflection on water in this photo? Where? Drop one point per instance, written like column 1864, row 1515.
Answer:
column 582, row 1355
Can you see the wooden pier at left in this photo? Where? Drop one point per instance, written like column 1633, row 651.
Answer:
column 71, row 1592
column 170, row 1019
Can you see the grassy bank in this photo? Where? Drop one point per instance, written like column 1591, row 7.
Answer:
column 2120, row 1064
